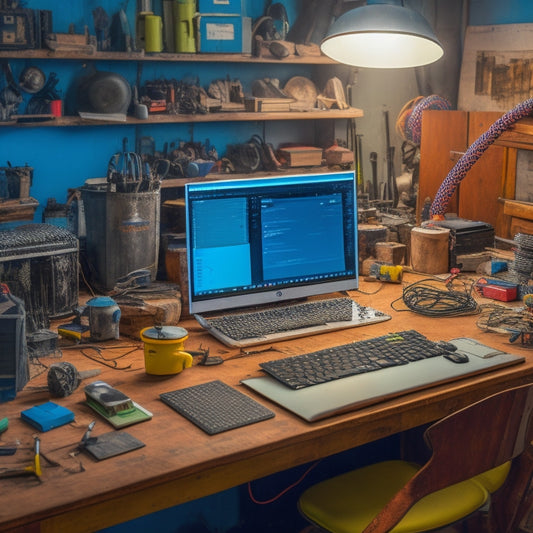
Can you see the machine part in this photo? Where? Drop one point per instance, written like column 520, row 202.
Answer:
column 63, row 378
column 280, row 20
column 104, row 92
column 32, row 80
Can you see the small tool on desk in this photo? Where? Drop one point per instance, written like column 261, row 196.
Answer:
column 63, row 379
column 108, row 444
column 385, row 272
column 32, row 470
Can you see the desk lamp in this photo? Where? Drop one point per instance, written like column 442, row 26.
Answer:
column 382, row 34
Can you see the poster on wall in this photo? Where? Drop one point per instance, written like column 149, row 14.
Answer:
column 497, row 67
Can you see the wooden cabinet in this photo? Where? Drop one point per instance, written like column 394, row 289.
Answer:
column 446, row 135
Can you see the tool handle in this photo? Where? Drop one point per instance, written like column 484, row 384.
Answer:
column 84, row 374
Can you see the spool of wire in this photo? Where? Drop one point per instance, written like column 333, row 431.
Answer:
column 522, row 265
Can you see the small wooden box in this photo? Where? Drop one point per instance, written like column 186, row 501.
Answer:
column 302, row 156
column 265, row 105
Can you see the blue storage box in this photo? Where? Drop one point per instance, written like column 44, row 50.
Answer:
column 226, row 7
column 224, row 34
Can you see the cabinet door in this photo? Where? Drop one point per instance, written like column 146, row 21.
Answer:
column 481, row 187
column 444, row 136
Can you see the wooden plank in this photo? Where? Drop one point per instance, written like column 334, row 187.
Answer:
column 225, row 116
column 141, row 56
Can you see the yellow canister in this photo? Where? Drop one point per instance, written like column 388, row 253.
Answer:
column 153, row 34
column 164, row 352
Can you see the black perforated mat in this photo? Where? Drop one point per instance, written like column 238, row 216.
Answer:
column 216, row 407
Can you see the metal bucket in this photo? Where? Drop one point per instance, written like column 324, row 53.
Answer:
column 122, row 233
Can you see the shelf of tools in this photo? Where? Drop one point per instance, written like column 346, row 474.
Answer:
column 68, row 66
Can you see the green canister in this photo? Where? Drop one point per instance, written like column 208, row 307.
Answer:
column 184, row 11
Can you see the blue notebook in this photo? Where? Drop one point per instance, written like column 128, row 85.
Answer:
column 47, row 416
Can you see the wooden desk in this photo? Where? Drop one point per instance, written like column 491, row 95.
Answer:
column 180, row 462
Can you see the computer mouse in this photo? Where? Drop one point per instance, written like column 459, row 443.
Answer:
column 457, row 357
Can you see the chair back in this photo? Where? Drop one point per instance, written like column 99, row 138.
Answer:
column 464, row 444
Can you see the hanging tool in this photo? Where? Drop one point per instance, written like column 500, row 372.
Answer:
column 374, row 164
column 353, row 145
column 359, row 167
column 392, row 189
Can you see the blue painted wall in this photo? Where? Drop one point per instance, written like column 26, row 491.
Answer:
column 489, row 12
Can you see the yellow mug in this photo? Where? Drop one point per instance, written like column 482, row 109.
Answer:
column 164, row 352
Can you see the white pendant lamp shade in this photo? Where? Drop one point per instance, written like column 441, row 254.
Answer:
column 382, row 34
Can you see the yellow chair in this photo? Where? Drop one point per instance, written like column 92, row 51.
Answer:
column 471, row 453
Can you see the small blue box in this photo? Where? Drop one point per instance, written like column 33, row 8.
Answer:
column 226, row 7
column 47, row 416
column 222, row 34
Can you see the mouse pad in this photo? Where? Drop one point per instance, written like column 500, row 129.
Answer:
column 216, row 407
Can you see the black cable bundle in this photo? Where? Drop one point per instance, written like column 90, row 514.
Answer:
column 425, row 298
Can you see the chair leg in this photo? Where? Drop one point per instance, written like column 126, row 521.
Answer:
column 514, row 499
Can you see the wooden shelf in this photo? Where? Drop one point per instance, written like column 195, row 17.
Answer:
column 141, row 56
column 213, row 176
column 237, row 116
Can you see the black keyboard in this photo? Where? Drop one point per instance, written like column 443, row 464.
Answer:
column 357, row 357
column 275, row 319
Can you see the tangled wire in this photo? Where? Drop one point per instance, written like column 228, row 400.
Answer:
column 425, row 298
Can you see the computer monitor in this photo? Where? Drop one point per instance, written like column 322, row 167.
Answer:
column 260, row 240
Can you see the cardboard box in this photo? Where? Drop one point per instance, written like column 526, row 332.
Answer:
column 224, row 7
column 224, row 34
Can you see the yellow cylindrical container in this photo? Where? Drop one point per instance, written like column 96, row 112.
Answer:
column 153, row 33
column 184, row 11
column 430, row 250
column 164, row 352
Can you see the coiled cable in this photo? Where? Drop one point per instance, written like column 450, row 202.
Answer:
column 424, row 298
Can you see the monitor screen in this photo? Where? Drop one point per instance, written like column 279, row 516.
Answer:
column 259, row 240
